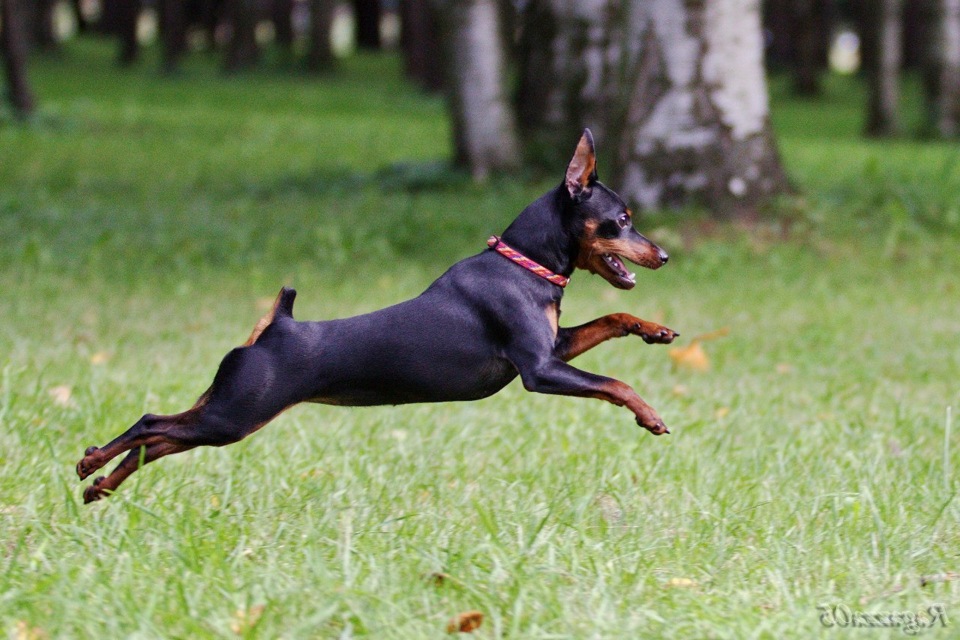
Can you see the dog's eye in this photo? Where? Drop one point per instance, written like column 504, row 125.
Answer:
column 623, row 221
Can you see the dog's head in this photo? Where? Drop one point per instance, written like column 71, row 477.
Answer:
column 602, row 223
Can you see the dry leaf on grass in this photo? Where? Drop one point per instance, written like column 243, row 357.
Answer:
column 245, row 619
column 61, row 395
column 99, row 357
column 692, row 357
column 465, row 622
column 25, row 632
column 682, row 583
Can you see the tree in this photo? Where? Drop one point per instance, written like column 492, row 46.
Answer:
column 883, row 57
column 367, row 20
column 484, row 126
column 944, row 82
column 173, row 32
column 679, row 86
column 320, row 51
column 242, row 50
column 419, row 39
column 13, row 47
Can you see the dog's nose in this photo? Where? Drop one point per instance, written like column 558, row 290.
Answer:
column 663, row 256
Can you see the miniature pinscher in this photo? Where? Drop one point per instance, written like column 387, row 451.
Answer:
column 486, row 320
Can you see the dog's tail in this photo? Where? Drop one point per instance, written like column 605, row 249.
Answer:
column 282, row 308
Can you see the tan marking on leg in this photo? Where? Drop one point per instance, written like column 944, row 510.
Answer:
column 553, row 317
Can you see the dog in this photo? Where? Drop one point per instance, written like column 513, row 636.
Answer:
column 488, row 319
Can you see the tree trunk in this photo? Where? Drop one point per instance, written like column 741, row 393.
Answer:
column 126, row 20
column 173, row 31
column 367, row 20
column 485, row 134
column 883, row 29
column 945, row 98
column 811, row 38
column 281, row 14
column 320, row 53
column 697, row 124
column 40, row 24
column 14, row 50
column 242, row 50
column 569, row 70
column 420, row 40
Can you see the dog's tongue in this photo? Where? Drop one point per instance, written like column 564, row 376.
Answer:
column 617, row 265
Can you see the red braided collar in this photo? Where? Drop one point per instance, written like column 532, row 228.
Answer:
column 506, row 251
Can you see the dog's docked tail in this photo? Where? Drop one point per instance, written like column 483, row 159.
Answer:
column 282, row 307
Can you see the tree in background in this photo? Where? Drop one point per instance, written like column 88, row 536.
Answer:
column 320, row 52
column 420, row 41
column 366, row 15
column 882, row 39
column 678, row 86
column 484, row 125
column 944, row 76
column 13, row 45
column 242, row 50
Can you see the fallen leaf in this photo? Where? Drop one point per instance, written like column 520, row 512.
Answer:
column 99, row 357
column 783, row 368
column 722, row 412
column 682, row 583
column 465, row 622
column 26, row 632
column 680, row 390
column 245, row 619
column 691, row 357
column 61, row 395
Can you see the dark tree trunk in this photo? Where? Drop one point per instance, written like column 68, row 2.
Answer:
column 281, row 13
column 41, row 25
column 173, row 31
column 565, row 84
column 420, row 40
column 484, row 127
column 83, row 25
column 242, row 50
column 883, row 50
column 320, row 53
column 367, row 16
column 812, row 39
column 126, row 19
column 943, row 68
column 14, row 50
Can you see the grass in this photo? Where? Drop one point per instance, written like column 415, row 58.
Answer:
column 144, row 223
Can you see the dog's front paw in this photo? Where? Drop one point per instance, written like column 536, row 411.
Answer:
column 88, row 464
column 653, row 333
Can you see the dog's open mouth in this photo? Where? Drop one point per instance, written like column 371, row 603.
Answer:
column 622, row 277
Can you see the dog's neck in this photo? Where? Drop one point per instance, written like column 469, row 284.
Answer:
column 540, row 234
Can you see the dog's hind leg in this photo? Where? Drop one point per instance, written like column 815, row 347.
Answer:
column 104, row 486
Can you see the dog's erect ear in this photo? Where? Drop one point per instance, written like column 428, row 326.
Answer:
column 582, row 170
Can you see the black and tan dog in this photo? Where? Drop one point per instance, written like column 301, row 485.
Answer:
column 488, row 319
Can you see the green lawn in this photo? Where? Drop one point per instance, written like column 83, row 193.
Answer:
column 145, row 222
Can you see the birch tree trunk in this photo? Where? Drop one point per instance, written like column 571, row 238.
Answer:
column 13, row 48
column 485, row 134
column 677, row 87
column 697, row 125
column 946, row 102
column 883, row 30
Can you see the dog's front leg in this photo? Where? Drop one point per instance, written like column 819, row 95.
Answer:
column 554, row 376
column 573, row 341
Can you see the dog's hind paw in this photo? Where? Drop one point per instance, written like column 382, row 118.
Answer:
column 656, row 427
column 94, row 492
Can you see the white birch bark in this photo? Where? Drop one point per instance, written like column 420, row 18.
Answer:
column 484, row 123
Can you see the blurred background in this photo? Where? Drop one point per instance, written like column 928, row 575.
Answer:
column 677, row 91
